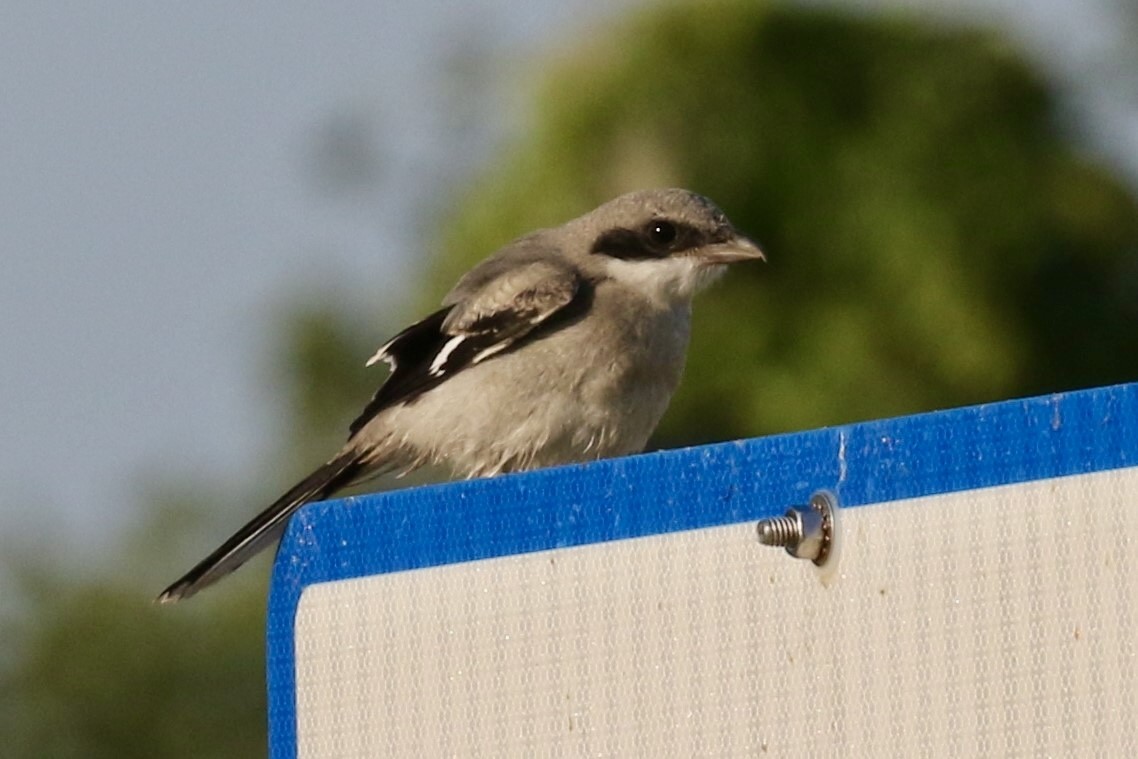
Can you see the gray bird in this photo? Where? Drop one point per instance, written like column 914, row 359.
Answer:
column 564, row 346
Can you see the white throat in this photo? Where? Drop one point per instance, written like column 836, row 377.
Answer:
column 668, row 281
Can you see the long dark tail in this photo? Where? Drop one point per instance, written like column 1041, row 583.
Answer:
column 265, row 528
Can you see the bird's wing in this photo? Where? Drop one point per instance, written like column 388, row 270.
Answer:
column 478, row 322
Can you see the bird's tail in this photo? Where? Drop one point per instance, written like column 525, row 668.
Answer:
column 265, row 528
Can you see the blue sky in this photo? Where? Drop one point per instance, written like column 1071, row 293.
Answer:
column 156, row 204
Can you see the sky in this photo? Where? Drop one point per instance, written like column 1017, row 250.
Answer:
column 159, row 202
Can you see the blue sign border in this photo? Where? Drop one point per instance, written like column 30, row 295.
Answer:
column 669, row 491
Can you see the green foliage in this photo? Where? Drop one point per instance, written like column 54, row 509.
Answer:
column 99, row 671
column 934, row 239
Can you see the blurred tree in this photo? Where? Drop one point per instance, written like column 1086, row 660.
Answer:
column 934, row 239
column 91, row 668
column 320, row 365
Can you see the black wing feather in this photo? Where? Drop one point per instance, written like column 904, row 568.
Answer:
column 411, row 353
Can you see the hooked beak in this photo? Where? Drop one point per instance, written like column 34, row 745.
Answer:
column 738, row 248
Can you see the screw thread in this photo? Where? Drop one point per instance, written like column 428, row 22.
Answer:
column 779, row 531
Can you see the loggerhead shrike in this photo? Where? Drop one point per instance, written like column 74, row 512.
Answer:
column 566, row 345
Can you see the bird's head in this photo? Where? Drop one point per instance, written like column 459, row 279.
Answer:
column 667, row 244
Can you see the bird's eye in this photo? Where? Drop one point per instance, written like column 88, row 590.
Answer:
column 662, row 232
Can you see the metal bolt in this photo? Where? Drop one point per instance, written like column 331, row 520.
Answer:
column 807, row 532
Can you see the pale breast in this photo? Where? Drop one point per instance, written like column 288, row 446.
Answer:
column 570, row 396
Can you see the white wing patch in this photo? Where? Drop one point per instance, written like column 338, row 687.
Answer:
column 441, row 357
column 382, row 355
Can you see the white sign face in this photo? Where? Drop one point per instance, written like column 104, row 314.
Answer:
column 981, row 602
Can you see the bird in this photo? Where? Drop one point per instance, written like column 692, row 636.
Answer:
column 564, row 346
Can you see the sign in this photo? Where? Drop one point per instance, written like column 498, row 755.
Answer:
column 982, row 600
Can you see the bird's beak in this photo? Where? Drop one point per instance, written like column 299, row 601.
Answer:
column 738, row 248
